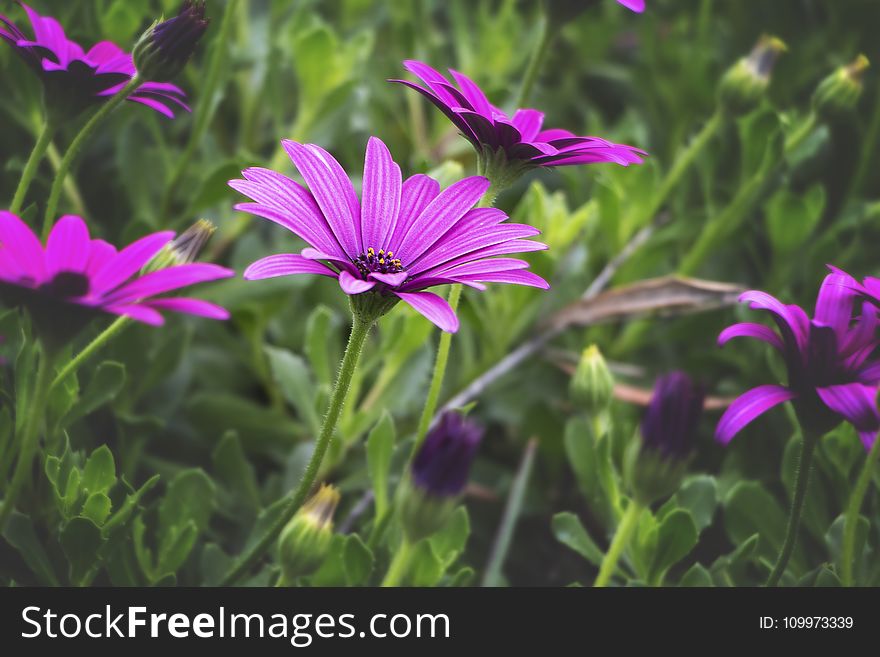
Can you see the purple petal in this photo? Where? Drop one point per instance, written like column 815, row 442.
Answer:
column 67, row 249
column 869, row 373
column 433, row 307
column 835, row 302
column 285, row 264
column 390, row 279
column 23, row 248
column 100, row 253
column 519, row 277
column 637, row 6
column 128, row 262
column 138, row 312
column 416, row 193
column 747, row 407
column 473, row 93
column 528, row 122
column 332, row 190
column 431, row 77
column 352, row 285
column 792, row 320
column 440, row 216
column 750, row 330
column 503, row 248
column 446, row 108
column 166, row 280
column 454, row 244
column 484, row 266
column 855, row 402
column 190, row 307
column 381, row 195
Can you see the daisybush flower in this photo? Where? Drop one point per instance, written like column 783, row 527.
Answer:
column 668, row 436
column 637, row 6
column 75, row 278
column 400, row 238
column 438, row 475
column 74, row 78
column 830, row 376
column 165, row 48
column 508, row 146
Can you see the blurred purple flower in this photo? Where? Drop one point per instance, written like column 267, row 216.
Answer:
column 519, row 138
column 670, row 425
column 75, row 278
column 637, row 6
column 830, row 376
column 441, row 467
column 399, row 239
column 76, row 78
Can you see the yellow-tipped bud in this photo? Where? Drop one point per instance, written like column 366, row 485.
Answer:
column 592, row 386
column 745, row 83
column 840, row 92
column 305, row 540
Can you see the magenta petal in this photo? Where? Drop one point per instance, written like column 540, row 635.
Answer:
column 67, row 248
column 473, row 93
column 23, row 248
column 100, row 253
column 747, row 407
column 528, row 122
column 138, row 312
column 791, row 319
column 515, row 277
column 869, row 373
column 855, row 402
column 381, row 195
column 190, row 307
column 835, row 302
column 433, row 307
column 332, row 190
column 129, row 261
column 416, row 193
column 750, row 330
column 166, row 280
column 285, row 264
column 484, row 266
column 637, row 6
column 352, row 285
column 390, row 279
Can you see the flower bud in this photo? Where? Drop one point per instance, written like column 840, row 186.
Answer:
column 164, row 49
column 592, row 386
column 745, row 83
column 183, row 249
column 438, row 476
column 304, row 542
column 839, row 92
column 656, row 464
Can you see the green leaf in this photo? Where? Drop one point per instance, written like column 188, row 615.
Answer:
column 319, row 337
column 357, row 561
column 81, row 541
column 792, row 217
column 99, row 474
column 96, row 508
column 425, row 567
column 235, row 470
column 183, row 514
column 120, row 518
column 699, row 495
column 676, row 537
column 380, row 448
column 834, row 541
column 20, row 534
column 462, row 577
column 177, row 542
column 292, row 375
column 696, row 576
column 106, row 382
column 569, row 531
column 450, row 541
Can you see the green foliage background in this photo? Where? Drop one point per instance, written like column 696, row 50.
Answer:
column 224, row 413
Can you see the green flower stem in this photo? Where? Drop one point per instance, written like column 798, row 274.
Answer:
column 399, row 564
column 30, row 435
column 207, row 104
column 437, row 377
column 33, row 163
column 539, row 54
column 91, row 349
column 76, row 145
column 622, row 536
column 804, row 130
column 802, row 479
column 683, row 162
column 360, row 328
column 852, row 514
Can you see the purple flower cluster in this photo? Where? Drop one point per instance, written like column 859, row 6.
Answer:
column 832, row 374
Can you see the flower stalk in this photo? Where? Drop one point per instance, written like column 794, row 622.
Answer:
column 622, row 537
column 33, row 163
column 852, row 515
column 399, row 564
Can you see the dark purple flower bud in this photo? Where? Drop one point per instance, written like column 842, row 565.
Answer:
column 165, row 48
column 670, row 425
column 655, row 465
column 441, row 467
column 438, row 476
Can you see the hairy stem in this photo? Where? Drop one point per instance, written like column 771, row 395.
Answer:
column 622, row 536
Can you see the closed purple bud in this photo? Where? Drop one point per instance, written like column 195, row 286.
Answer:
column 670, row 425
column 441, row 467
column 165, row 48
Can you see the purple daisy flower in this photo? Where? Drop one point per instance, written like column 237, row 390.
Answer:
column 401, row 237
column 76, row 78
column 830, row 375
column 75, row 278
column 441, row 466
column 519, row 140
column 637, row 6
column 670, row 425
